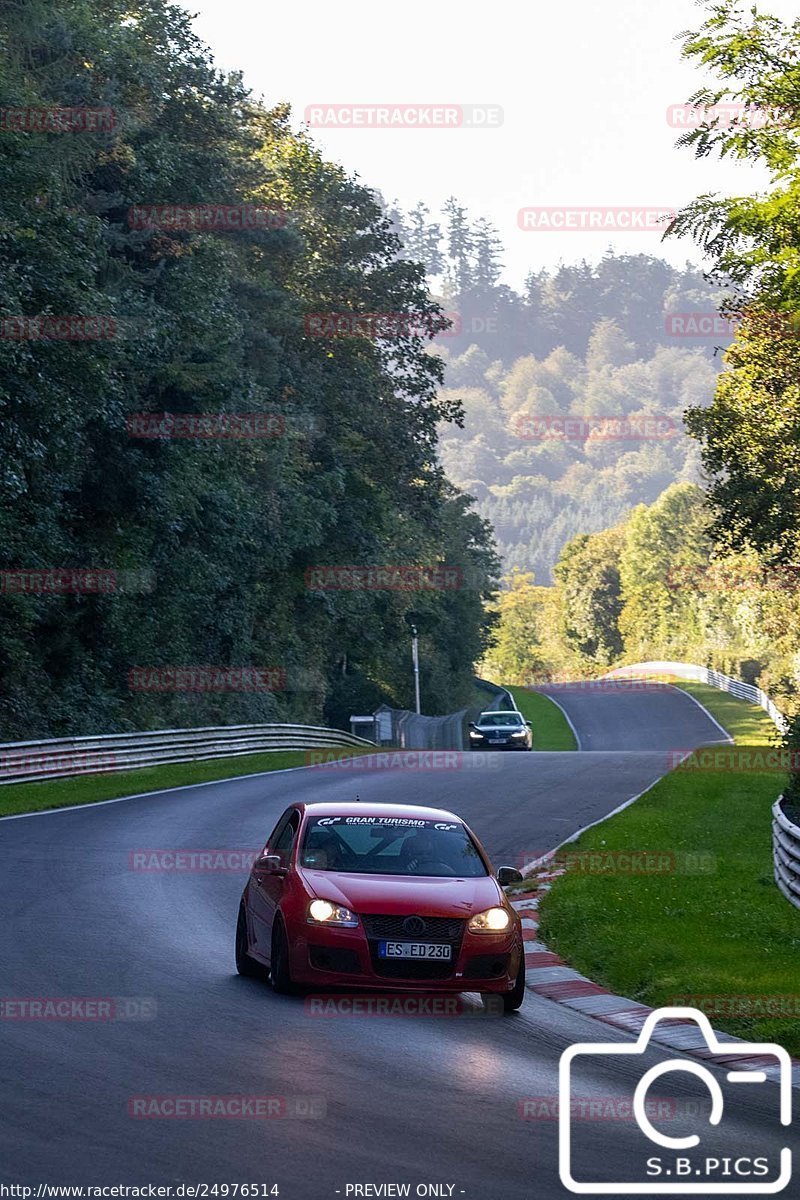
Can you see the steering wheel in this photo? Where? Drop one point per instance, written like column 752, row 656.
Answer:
column 442, row 868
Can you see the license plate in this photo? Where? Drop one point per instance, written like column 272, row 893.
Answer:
column 413, row 950
column 497, row 741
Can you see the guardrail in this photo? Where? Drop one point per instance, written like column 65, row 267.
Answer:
column 786, row 853
column 744, row 691
column 501, row 697
column 412, row 731
column 59, row 758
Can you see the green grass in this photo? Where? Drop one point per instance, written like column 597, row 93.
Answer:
column 551, row 730
column 747, row 724
column 714, row 924
column 88, row 789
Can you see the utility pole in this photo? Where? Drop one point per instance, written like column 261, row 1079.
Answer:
column 415, row 660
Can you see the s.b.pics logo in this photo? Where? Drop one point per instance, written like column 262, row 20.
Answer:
column 703, row 1154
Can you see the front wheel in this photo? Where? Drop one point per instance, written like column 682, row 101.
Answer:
column 279, row 971
column 245, row 965
column 513, row 1000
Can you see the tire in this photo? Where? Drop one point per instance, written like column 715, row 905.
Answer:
column 513, row 1000
column 280, row 974
column 246, row 965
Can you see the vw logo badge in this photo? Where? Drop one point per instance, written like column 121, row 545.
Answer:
column 414, row 925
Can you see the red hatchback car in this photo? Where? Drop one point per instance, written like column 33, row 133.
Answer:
column 380, row 896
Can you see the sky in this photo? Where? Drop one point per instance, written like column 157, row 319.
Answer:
column 573, row 95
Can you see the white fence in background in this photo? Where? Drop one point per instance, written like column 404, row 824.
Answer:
column 744, row 691
column 786, row 853
column 59, row 758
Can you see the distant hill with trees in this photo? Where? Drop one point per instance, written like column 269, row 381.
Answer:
column 586, row 341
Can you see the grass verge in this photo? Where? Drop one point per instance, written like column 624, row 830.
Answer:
column 88, row 789
column 711, row 930
column 551, row 729
column 747, row 724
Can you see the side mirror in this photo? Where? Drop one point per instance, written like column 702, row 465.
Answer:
column 507, row 875
column 529, row 726
column 268, row 862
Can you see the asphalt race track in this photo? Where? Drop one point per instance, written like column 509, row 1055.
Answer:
column 370, row 1100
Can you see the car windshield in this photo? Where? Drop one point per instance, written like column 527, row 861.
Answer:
column 375, row 845
column 503, row 719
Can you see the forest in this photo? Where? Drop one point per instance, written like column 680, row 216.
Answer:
column 178, row 452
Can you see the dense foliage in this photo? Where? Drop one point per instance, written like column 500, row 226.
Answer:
column 224, row 530
column 654, row 587
column 750, row 435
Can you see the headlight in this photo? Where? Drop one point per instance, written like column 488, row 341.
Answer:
column 474, row 733
column 494, row 920
column 322, row 912
column 520, row 734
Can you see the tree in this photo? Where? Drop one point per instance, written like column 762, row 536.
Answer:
column 664, row 545
column 587, row 575
column 749, row 436
column 516, row 655
column 608, row 346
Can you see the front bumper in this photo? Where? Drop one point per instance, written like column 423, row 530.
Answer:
column 517, row 744
column 348, row 958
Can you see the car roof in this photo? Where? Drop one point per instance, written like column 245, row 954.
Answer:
column 363, row 808
column 501, row 712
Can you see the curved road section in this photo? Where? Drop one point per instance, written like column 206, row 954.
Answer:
column 176, row 1072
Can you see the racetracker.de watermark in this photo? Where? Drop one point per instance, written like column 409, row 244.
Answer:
column 712, row 325
column 200, row 218
column 757, row 1006
column 620, row 862
column 166, row 426
column 49, row 328
column 753, row 759
column 226, row 860
column 724, row 577
column 405, row 578
column 74, row 762
column 370, row 1005
column 562, row 683
column 598, row 219
column 403, row 116
column 206, row 679
column 58, row 120
column 69, row 581
column 382, row 325
column 598, row 1108
column 645, row 428
column 403, row 760
column 729, row 114
column 78, row 1008
column 236, row 1107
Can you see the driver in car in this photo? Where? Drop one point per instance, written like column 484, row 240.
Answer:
column 421, row 849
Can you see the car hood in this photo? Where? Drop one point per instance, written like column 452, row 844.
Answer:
column 402, row 895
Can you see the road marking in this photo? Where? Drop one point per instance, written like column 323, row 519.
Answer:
column 566, row 716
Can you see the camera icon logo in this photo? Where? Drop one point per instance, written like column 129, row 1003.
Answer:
column 677, row 1171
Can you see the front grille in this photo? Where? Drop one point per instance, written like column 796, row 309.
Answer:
column 435, row 929
column 381, row 927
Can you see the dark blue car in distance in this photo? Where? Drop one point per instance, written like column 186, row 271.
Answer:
column 501, row 729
